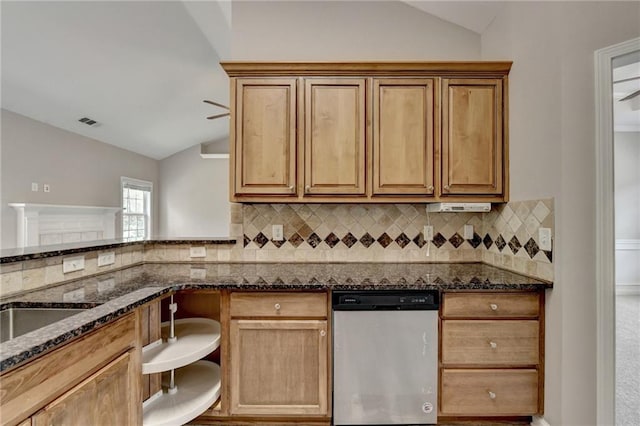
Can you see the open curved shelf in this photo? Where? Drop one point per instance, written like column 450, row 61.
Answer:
column 198, row 388
column 196, row 338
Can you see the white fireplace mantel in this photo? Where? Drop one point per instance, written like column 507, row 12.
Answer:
column 45, row 224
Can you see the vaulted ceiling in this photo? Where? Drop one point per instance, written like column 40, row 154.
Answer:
column 140, row 69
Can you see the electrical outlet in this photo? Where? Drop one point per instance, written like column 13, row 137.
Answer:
column 198, row 273
column 428, row 232
column 108, row 258
column 544, row 235
column 72, row 264
column 197, row 252
column 468, row 232
column 277, row 232
column 46, row 187
column 34, row 186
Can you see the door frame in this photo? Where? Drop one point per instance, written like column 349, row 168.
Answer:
column 605, row 230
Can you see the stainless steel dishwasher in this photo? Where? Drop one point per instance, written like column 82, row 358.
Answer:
column 385, row 357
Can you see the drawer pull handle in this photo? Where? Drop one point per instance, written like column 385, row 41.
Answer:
column 492, row 395
column 277, row 306
column 323, row 333
column 493, row 345
column 493, row 307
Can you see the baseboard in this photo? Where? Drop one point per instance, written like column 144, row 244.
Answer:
column 628, row 289
column 539, row 421
column 626, row 244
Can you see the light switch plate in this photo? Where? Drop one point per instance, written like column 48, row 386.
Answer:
column 428, row 232
column 277, row 232
column 72, row 264
column 108, row 258
column 197, row 252
column 468, row 232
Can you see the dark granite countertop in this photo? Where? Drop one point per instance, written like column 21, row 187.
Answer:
column 113, row 294
column 41, row 252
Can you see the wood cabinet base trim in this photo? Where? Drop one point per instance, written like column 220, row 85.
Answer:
column 263, row 420
column 492, row 420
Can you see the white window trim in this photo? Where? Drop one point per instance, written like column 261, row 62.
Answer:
column 142, row 183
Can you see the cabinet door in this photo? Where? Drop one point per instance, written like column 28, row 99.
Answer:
column 265, row 136
column 472, row 140
column 335, row 141
column 104, row 398
column 403, row 136
column 279, row 367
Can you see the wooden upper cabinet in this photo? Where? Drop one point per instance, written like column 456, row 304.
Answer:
column 369, row 132
column 403, row 136
column 334, row 136
column 265, row 136
column 472, row 137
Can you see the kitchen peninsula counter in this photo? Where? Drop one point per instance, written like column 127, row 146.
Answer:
column 110, row 295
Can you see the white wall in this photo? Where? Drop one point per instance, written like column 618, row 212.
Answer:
column 627, row 199
column 627, row 184
column 347, row 31
column 194, row 195
column 552, row 153
column 80, row 171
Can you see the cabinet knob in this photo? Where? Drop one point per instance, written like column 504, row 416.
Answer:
column 446, row 187
column 430, row 188
column 323, row 333
column 307, row 188
column 493, row 345
column 493, row 307
column 291, row 188
column 277, row 306
column 492, row 395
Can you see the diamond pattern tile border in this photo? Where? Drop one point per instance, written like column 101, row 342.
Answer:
column 349, row 240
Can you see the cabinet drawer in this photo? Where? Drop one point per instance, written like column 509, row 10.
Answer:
column 489, row 392
column 490, row 305
column 490, row 342
column 312, row 305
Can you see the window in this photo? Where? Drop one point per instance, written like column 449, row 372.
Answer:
column 136, row 208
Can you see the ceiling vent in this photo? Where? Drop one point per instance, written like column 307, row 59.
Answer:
column 89, row 122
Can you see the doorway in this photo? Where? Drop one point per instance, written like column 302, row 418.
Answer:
column 626, row 154
column 617, row 231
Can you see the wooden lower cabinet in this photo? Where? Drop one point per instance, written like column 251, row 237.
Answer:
column 489, row 392
column 94, row 380
column 491, row 354
column 104, row 398
column 279, row 363
column 279, row 367
column 490, row 342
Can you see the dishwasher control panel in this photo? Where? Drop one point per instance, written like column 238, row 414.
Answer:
column 385, row 300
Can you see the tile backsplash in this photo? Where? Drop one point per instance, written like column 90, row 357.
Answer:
column 506, row 237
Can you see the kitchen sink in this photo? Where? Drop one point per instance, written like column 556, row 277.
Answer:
column 15, row 322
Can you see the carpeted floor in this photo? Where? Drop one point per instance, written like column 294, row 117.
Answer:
column 628, row 360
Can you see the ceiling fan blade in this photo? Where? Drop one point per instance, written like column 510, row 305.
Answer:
column 215, row 104
column 630, row 96
column 213, row 117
